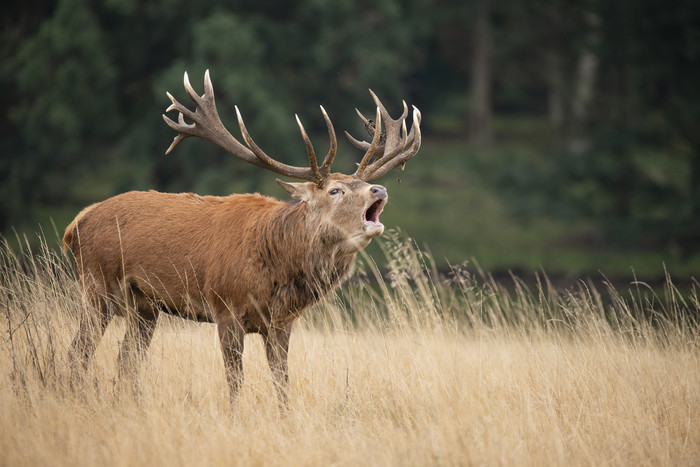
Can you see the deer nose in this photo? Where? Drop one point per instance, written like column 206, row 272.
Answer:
column 378, row 191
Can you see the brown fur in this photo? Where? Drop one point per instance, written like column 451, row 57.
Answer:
column 249, row 263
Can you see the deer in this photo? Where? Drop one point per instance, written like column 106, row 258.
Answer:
column 248, row 263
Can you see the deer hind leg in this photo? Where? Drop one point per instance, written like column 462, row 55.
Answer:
column 277, row 349
column 141, row 317
column 92, row 325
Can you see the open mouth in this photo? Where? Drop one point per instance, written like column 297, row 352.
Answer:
column 371, row 215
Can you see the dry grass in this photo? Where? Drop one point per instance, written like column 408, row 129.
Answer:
column 421, row 371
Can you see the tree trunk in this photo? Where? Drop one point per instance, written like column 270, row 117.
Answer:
column 480, row 118
column 556, row 92
column 583, row 88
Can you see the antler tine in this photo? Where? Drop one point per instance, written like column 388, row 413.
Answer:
column 175, row 126
column 208, row 87
column 266, row 160
column 190, row 90
column 404, row 132
column 372, row 148
column 362, row 117
column 313, row 163
column 364, row 145
column 332, row 149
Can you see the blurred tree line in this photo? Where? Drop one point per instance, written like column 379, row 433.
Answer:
column 618, row 84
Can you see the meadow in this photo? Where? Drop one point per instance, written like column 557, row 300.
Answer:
column 403, row 367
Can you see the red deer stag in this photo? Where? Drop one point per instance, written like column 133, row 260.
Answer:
column 249, row 263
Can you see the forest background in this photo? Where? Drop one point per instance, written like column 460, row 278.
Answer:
column 557, row 135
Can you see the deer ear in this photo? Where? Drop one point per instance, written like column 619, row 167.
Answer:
column 296, row 190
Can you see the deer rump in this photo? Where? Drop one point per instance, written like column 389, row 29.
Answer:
column 188, row 255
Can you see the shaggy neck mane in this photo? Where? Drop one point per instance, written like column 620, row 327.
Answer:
column 312, row 252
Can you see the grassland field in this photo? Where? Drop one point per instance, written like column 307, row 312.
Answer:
column 418, row 369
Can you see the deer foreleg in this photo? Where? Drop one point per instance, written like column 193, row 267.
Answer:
column 277, row 348
column 231, row 335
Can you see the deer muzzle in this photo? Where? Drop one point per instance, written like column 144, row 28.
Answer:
column 370, row 216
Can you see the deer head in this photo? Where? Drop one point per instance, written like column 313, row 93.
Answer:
column 344, row 204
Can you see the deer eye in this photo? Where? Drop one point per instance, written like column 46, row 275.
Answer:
column 335, row 191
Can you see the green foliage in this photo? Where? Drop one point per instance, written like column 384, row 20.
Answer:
column 60, row 72
column 64, row 84
column 85, row 82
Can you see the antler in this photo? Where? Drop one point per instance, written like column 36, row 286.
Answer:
column 391, row 147
column 207, row 125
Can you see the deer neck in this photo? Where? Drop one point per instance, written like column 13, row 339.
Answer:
column 315, row 254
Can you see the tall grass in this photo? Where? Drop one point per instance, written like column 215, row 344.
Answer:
column 402, row 368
